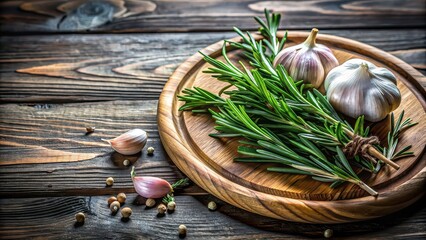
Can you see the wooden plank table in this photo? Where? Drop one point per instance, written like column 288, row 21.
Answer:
column 66, row 65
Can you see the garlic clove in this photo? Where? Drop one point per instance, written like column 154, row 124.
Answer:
column 307, row 61
column 150, row 187
column 307, row 65
column 129, row 143
column 327, row 58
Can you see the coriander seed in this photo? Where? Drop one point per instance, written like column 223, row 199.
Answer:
column 80, row 217
column 126, row 162
column 114, row 207
column 109, row 181
column 150, row 151
column 121, row 198
column 328, row 233
column 171, row 206
column 111, row 200
column 212, row 206
column 161, row 209
column 150, row 202
column 182, row 230
column 126, row 212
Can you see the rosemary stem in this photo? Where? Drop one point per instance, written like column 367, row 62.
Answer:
column 373, row 152
column 367, row 188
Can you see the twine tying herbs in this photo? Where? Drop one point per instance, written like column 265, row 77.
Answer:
column 359, row 146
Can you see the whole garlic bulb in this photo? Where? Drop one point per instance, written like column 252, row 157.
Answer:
column 130, row 142
column 307, row 61
column 358, row 87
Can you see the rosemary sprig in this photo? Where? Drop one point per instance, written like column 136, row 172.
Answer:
column 262, row 145
column 282, row 121
column 178, row 184
column 269, row 31
column 393, row 136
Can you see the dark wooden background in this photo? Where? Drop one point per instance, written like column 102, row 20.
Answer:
column 66, row 65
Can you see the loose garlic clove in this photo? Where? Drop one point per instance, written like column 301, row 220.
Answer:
column 129, row 143
column 151, row 187
column 307, row 61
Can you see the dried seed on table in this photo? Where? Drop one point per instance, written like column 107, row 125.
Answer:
column 109, row 181
column 114, row 207
column 126, row 162
column 182, row 230
column 150, row 202
column 150, row 150
column 171, row 206
column 111, row 200
column 80, row 217
column 121, row 198
column 126, row 212
column 212, row 206
column 161, row 209
column 90, row 129
column 328, row 233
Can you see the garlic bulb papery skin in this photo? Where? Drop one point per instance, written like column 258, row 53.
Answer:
column 307, row 61
column 358, row 87
column 129, row 143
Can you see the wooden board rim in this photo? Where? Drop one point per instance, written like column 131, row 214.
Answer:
column 281, row 207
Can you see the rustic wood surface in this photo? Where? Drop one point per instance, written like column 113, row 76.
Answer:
column 209, row 162
column 53, row 85
column 77, row 68
column 199, row 15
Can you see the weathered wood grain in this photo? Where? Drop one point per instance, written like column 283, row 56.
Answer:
column 408, row 223
column 77, row 68
column 177, row 16
column 209, row 162
column 53, row 218
column 45, row 151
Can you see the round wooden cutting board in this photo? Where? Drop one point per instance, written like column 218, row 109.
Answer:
column 209, row 162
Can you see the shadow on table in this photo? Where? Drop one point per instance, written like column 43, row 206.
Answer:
column 400, row 222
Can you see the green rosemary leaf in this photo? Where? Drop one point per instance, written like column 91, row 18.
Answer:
column 336, row 184
column 288, row 170
column 224, row 135
column 181, row 183
column 323, row 179
column 344, row 161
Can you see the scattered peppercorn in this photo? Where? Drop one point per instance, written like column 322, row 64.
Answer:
column 328, row 233
column 121, row 198
column 109, row 181
column 111, row 200
column 182, row 230
column 150, row 202
column 161, row 209
column 126, row 162
column 212, row 206
column 126, row 212
column 79, row 217
column 90, row 129
column 114, row 207
column 171, row 206
column 150, row 151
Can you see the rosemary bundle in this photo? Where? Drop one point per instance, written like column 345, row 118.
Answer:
column 284, row 121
